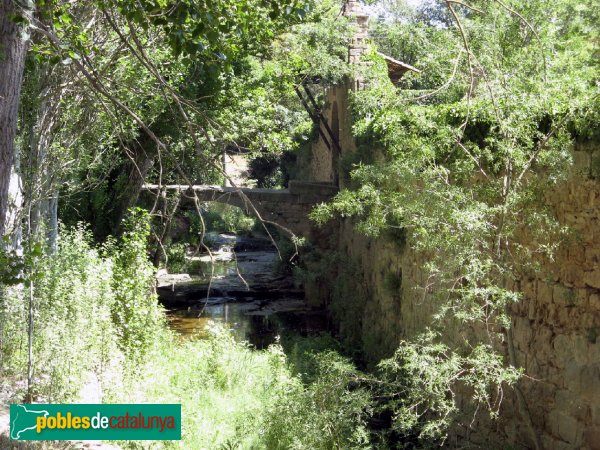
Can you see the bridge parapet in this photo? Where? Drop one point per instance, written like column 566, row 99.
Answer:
column 288, row 208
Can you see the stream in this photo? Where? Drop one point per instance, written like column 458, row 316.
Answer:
column 246, row 295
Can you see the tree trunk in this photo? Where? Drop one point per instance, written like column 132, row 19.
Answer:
column 13, row 49
column 128, row 187
column 53, row 223
column 41, row 113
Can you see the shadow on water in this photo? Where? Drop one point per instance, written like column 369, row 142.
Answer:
column 246, row 295
column 248, row 323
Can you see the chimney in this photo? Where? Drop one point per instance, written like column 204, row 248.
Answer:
column 359, row 43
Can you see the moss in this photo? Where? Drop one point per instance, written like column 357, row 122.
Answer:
column 392, row 283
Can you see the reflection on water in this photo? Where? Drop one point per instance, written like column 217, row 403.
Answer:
column 247, row 322
column 217, row 269
column 190, row 324
column 259, row 320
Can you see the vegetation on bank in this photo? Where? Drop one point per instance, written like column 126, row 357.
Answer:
column 464, row 153
column 101, row 334
column 113, row 345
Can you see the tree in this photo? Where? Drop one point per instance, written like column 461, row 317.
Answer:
column 13, row 50
column 154, row 69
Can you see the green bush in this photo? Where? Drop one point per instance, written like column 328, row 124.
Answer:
column 420, row 381
column 136, row 314
column 328, row 413
column 95, row 315
column 175, row 261
column 73, row 331
column 224, row 218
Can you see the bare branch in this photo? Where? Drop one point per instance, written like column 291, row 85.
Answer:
column 466, row 6
column 446, row 84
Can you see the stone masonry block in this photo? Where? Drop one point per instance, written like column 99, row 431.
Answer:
column 592, row 278
column 562, row 295
column 591, row 438
column 566, row 428
column 549, row 442
column 590, row 382
column 544, row 292
column 595, row 409
column 562, row 350
column 574, row 406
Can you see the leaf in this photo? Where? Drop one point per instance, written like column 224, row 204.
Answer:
column 66, row 18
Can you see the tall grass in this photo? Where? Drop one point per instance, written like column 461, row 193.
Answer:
column 234, row 396
column 98, row 327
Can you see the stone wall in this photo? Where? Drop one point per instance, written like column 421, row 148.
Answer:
column 377, row 300
column 556, row 326
column 325, row 165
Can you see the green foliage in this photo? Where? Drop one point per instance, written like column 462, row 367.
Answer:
column 301, row 353
column 224, row 388
column 235, row 397
column 328, row 413
column 98, row 328
column 433, row 50
column 318, row 48
column 462, row 166
column 175, row 258
column 218, row 31
column 74, row 334
column 201, row 78
column 214, row 34
column 428, row 181
column 224, row 218
column 135, row 311
column 271, row 170
column 75, row 293
column 232, row 395
column 259, row 109
column 421, row 380
column 11, row 267
column 95, row 316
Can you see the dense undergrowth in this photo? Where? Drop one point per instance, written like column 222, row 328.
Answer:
column 99, row 335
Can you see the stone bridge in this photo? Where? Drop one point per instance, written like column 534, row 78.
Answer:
column 288, row 208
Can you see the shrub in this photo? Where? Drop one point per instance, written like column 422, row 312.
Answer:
column 138, row 318
column 95, row 315
column 227, row 219
column 330, row 412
